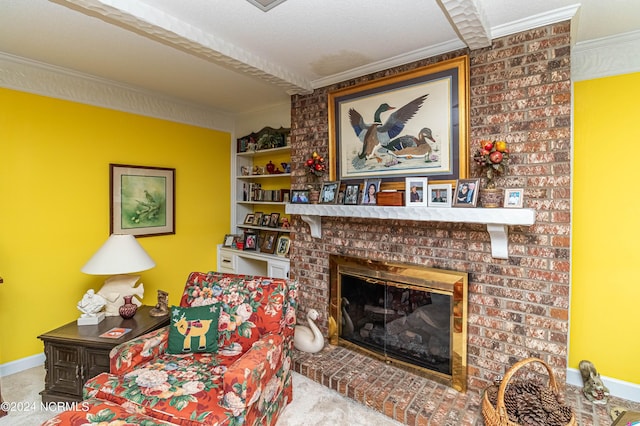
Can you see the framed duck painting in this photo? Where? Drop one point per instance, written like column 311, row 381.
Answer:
column 410, row 124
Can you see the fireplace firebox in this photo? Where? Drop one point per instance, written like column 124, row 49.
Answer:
column 407, row 315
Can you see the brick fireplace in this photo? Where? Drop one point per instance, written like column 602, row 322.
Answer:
column 520, row 90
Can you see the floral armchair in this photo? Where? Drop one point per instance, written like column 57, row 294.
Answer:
column 247, row 380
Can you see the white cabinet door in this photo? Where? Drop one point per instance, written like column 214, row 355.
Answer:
column 278, row 269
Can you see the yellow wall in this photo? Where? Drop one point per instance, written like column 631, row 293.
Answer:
column 54, row 206
column 606, row 233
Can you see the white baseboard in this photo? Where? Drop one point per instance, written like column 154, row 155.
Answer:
column 21, row 364
column 625, row 390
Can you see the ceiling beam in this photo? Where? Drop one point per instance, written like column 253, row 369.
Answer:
column 157, row 25
column 469, row 22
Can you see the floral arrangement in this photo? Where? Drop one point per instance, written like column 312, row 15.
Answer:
column 315, row 165
column 492, row 157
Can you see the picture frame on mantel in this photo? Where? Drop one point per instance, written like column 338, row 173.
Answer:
column 416, row 191
column 513, row 197
column 431, row 103
column 439, row 195
column 142, row 200
column 466, row 193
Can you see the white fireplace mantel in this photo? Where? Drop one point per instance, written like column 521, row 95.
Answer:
column 497, row 220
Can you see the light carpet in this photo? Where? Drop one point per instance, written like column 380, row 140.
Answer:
column 312, row 405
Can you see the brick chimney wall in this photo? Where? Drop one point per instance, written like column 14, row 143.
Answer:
column 520, row 91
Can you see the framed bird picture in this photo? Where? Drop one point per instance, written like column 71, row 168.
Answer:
column 410, row 124
column 142, row 200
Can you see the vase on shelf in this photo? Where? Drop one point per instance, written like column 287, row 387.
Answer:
column 314, row 196
column 271, row 168
column 491, row 197
column 128, row 308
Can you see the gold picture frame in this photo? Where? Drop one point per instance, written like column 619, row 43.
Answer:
column 434, row 98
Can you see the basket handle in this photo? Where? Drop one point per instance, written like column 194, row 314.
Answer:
column 500, row 407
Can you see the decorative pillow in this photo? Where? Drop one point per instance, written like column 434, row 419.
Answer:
column 193, row 329
column 251, row 306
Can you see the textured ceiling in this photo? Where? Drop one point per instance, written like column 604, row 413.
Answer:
column 233, row 57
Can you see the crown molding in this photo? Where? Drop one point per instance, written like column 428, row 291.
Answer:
column 396, row 61
column 605, row 57
column 535, row 21
column 41, row 79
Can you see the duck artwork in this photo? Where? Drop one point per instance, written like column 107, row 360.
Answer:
column 309, row 339
column 375, row 135
column 411, row 147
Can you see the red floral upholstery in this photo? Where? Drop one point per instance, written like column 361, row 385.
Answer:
column 248, row 381
column 249, row 306
column 96, row 412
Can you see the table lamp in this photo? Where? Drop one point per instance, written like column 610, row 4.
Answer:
column 119, row 256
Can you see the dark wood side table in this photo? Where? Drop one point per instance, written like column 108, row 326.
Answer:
column 75, row 353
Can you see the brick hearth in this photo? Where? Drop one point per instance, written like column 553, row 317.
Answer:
column 414, row 400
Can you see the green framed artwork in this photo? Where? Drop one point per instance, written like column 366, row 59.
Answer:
column 142, row 200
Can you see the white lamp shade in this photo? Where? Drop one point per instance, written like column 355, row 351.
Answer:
column 120, row 254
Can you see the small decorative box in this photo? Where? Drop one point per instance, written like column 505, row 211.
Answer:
column 395, row 198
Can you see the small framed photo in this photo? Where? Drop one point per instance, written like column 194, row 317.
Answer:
column 249, row 218
column 274, row 220
column 370, row 191
column 329, row 192
column 257, row 218
column 228, row 241
column 285, row 195
column 513, row 198
column 282, row 246
column 300, row 196
column 250, row 241
column 351, row 192
column 266, row 220
column 439, row 195
column 466, row 193
column 416, row 191
column 269, row 242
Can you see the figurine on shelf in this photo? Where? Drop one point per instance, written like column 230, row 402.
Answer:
column 91, row 307
column 286, row 167
column 91, row 304
column 285, row 223
column 162, row 307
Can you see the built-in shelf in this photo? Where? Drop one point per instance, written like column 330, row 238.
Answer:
column 261, row 202
column 263, row 228
column 273, row 175
column 264, row 152
column 497, row 220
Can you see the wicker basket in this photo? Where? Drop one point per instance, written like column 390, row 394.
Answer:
column 497, row 416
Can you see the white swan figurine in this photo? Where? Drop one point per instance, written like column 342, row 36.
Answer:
column 309, row 339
